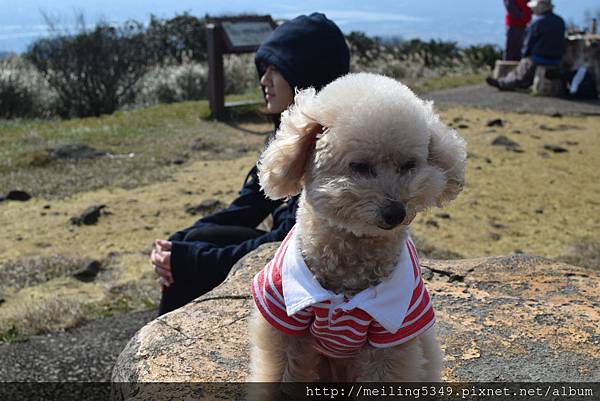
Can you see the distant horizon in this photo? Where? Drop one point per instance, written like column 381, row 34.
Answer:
column 470, row 23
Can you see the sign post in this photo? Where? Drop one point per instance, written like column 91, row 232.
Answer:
column 227, row 36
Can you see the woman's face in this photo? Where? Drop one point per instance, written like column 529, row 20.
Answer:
column 278, row 93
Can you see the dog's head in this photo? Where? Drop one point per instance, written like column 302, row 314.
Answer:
column 368, row 152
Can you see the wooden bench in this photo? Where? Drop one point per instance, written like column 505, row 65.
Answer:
column 503, row 67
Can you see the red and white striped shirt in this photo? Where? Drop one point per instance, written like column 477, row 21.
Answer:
column 390, row 313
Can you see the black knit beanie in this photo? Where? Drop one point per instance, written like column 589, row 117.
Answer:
column 307, row 51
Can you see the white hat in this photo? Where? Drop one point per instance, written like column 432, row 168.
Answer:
column 534, row 3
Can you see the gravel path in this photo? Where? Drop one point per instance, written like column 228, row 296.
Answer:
column 484, row 96
column 85, row 353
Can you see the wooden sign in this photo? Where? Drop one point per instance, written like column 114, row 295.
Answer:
column 231, row 35
column 246, row 35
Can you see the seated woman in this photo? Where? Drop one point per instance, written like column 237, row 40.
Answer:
column 306, row 51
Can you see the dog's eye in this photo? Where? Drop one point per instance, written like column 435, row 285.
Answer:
column 409, row 165
column 363, row 169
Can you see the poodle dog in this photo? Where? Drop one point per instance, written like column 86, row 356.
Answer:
column 343, row 298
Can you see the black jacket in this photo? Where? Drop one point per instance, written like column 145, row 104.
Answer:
column 545, row 38
column 209, row 263
column 308, row 51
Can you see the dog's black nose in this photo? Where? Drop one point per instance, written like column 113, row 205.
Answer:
column 392, row 215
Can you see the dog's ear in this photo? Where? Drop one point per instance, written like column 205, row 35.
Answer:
column 448, row 151
column 281, row 166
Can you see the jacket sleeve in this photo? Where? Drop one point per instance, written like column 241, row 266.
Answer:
column 529, row 40
column 249, row 209
column 208, row 265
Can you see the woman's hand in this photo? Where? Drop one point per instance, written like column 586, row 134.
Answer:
column 161, row 260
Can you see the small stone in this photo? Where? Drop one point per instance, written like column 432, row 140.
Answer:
column 204, row 207
column 565, row 127
column 495, row 236
column 502, row 140
column 89, row 272
column 432, row 223
column 18, row 195
column 89, row 216
column 555, row 148
column 544, row 127
column 76, row 151
column 497, row 122
column 200, row 144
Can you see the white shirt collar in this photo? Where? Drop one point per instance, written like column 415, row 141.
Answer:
column 387, row 302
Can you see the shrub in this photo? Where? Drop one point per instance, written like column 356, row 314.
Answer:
column 177, row 40
column 170, row 84
column 240, row 73
column 15, row 99
column 23, row 91
column 92, row 72
column 479, row 56
column 189, row 81
column 362, row 47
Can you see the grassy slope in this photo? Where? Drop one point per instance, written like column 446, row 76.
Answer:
column 498, row 213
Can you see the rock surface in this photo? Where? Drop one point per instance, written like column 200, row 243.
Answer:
column 77, row 151
column 516, row 318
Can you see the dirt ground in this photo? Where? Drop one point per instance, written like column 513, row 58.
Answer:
column 520, row 199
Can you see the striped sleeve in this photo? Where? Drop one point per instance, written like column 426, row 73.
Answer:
column 419, row 317
column 267, row 291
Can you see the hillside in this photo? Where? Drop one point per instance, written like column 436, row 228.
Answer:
column 527, row 198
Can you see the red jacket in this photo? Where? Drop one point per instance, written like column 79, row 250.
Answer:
column 517, row 13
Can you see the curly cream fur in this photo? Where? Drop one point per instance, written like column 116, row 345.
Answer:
column 379, row 122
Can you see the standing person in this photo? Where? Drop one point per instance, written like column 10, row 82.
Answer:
column 306, row 51
column 544, row 45
column 518, row 15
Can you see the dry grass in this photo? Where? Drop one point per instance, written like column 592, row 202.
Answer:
column 35, row 317
column 28, row 271
column 145, row 145
column 536, row 202
column 533, row 201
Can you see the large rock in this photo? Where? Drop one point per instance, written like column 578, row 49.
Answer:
column 517, row 318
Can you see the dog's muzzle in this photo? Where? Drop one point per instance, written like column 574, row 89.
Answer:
column 392, row 215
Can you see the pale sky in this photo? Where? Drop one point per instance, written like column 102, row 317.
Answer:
column 465, row 21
